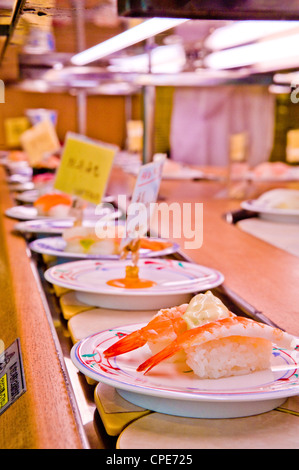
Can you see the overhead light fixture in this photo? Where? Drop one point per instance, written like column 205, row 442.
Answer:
column 244, row 32
column 128, row 38
column 291, row 78
column 280, row 53
column 164, row 59
column 279, row 89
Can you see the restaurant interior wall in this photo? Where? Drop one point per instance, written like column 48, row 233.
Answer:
column 105, row 114
column 106, row 117
column 286, row 119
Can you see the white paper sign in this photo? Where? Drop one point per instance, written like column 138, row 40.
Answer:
column 144, row 195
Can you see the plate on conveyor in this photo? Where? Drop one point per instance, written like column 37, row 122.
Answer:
column 30, row 213
column 172, row 388
column 172, row 282
column 49, row 225
column 56, row 246
column 277, row 205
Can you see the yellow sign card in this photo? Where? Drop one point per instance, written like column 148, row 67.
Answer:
column 292, row 149
column 85, row 167
column 135, row 136
column 14, row 128
column 39, row 140
column 238, row 145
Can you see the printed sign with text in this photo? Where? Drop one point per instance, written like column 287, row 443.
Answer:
column 144, row 195
column 14, row 128
column 85, row 168
column 39, row 140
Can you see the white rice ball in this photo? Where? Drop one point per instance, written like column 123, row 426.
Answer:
column 60, row 211
column 225, row 357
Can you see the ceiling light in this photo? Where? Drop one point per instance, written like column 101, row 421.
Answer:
column 244, row 32
column 164, row 59
column 264, row 56
column 279, row 89
column 132, row 36
column 287, row 78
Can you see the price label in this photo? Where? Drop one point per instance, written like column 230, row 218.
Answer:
column 292, row 149
column 85, row 168
column 39, row 140
column 14, row 128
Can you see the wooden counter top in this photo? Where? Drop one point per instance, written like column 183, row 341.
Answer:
column 45, row 416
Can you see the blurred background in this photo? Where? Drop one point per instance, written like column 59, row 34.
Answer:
column 190, row 98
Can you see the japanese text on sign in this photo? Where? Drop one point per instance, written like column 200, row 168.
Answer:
column 39, row 141
column 12, row 381
column 144, row 195
column 85, row 168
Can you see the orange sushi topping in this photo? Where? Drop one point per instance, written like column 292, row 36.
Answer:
column 47, row 201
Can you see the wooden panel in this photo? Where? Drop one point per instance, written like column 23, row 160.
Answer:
column 105, row 114
column 43, row 416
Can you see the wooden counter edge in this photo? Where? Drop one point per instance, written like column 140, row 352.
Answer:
column 43, row 417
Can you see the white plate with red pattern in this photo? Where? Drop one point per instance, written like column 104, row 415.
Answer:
column 174, row 282
column 173, row 388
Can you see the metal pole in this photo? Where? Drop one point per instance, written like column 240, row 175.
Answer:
column 79, row 9
column 81, row 111
column 149, row 99
column 149, row 102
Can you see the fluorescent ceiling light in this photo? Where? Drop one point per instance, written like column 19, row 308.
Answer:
column 279, row 89
column 132, row 36
column 244, row 32
column 287, row 78
column 200, row 78
column 164, row 59
column 264, row 55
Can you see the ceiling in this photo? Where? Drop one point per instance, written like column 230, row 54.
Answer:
column 216, row 9
column 40, row 36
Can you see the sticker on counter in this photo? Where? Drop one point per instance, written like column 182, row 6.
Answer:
column 85, row 167
column 12, row 380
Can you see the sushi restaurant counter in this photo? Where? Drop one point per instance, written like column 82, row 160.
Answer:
column 62, row 409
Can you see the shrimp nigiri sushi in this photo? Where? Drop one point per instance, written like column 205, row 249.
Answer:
column 226, row 347
column 53, row 205
column 171, row 322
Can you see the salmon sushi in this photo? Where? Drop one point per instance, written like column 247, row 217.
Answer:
column 53, row 205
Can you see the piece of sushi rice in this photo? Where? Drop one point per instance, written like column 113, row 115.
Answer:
column 60, row 211
column 229, row 356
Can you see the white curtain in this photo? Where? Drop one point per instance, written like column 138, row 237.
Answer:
column 204, row 118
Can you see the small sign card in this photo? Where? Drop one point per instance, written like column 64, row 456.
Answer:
column 14, row 128
column 39, row 140
column 238, row 147
column 85, row 167
column 144, row 195
column 292, row 149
